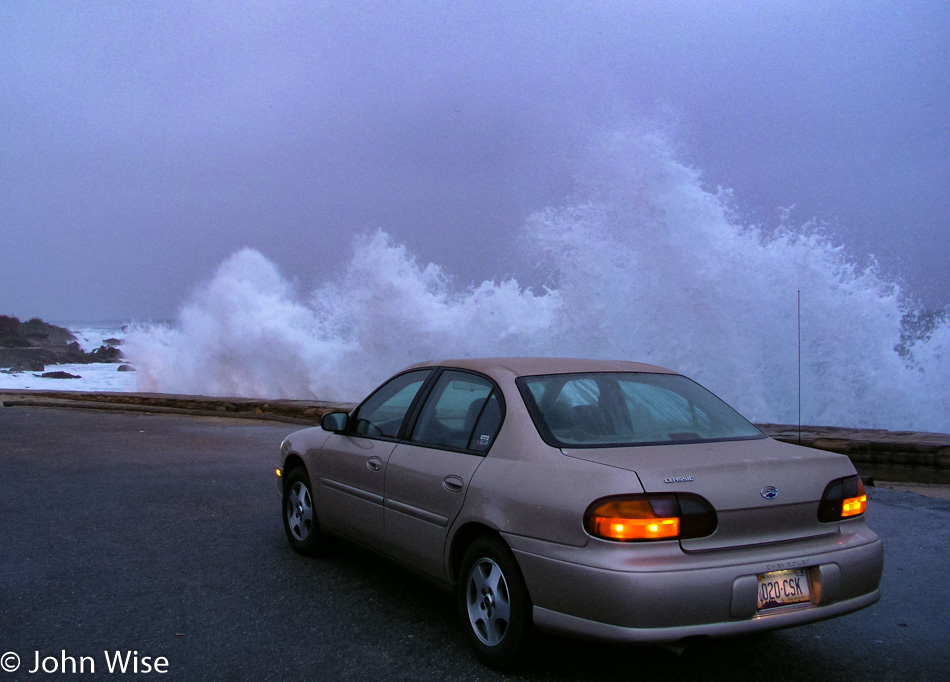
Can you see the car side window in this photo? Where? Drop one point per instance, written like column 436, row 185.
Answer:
column 383, row 412
column 462, row 412
column 486, row 428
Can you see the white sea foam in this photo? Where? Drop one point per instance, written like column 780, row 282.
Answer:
column 644, row 263
column 92, row 377
column 92, row 336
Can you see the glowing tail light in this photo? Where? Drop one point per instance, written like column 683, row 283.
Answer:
column 649, row 517
column 843, row 498
column 630, row 520
column 854, row 506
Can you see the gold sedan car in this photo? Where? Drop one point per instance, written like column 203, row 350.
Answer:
column 615, row 501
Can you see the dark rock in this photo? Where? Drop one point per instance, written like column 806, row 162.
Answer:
column 33, row 345
column 113, row 342
column 29, row 365
column 57, row 375
column 106, row 354
column 126, row 368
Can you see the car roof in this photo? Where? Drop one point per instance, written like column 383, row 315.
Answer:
column 528, row 366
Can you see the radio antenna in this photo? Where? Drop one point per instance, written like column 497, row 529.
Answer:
column 799, row 366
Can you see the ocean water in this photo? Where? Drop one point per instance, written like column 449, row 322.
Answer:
column 643, row 262
column 93, row 377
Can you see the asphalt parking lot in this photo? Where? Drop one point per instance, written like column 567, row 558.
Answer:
column 159, row 538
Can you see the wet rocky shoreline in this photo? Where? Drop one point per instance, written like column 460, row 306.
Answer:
column 33, row 345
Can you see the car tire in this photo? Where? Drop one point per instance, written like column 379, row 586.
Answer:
column 493, row 602
column 300, row 517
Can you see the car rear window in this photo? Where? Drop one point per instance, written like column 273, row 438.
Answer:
column 628, row 408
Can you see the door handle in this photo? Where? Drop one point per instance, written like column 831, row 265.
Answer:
column 374, row 464
column 453, row 484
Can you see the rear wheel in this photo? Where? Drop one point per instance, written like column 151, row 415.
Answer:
column 300, row 519
column 493, row 602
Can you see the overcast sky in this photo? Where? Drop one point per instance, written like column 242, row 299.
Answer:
column 142, row 143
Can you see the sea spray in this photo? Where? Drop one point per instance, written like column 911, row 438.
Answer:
column 643, row 263
column 245, row 333
column 653, row 266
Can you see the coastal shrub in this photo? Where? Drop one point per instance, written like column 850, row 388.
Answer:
column 8, row 326
column 35, row 329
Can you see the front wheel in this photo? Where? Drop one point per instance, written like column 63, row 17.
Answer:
column 300, row 519
column 493, row 602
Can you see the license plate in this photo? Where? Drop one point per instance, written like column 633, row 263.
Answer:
column 780, row 588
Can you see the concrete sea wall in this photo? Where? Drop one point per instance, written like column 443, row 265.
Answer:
column 876, row 453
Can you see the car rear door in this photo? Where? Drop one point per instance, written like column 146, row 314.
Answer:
column 427, row 478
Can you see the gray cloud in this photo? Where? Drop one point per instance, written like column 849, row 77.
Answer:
column 142, row 143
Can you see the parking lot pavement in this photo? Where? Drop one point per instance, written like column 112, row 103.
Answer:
column 159, row 537
column 936, row 490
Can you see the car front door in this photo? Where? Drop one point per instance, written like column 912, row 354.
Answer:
column 351, row 466
column 427, row 477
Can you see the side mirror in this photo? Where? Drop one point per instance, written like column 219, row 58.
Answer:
column 335, row 422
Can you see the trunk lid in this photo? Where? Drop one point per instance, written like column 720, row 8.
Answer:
column 763, row 491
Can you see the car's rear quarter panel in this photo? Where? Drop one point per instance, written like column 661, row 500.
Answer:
column 528, row 489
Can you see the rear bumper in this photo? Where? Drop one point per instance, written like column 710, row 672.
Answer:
column 553, row 621
column 667, row 595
